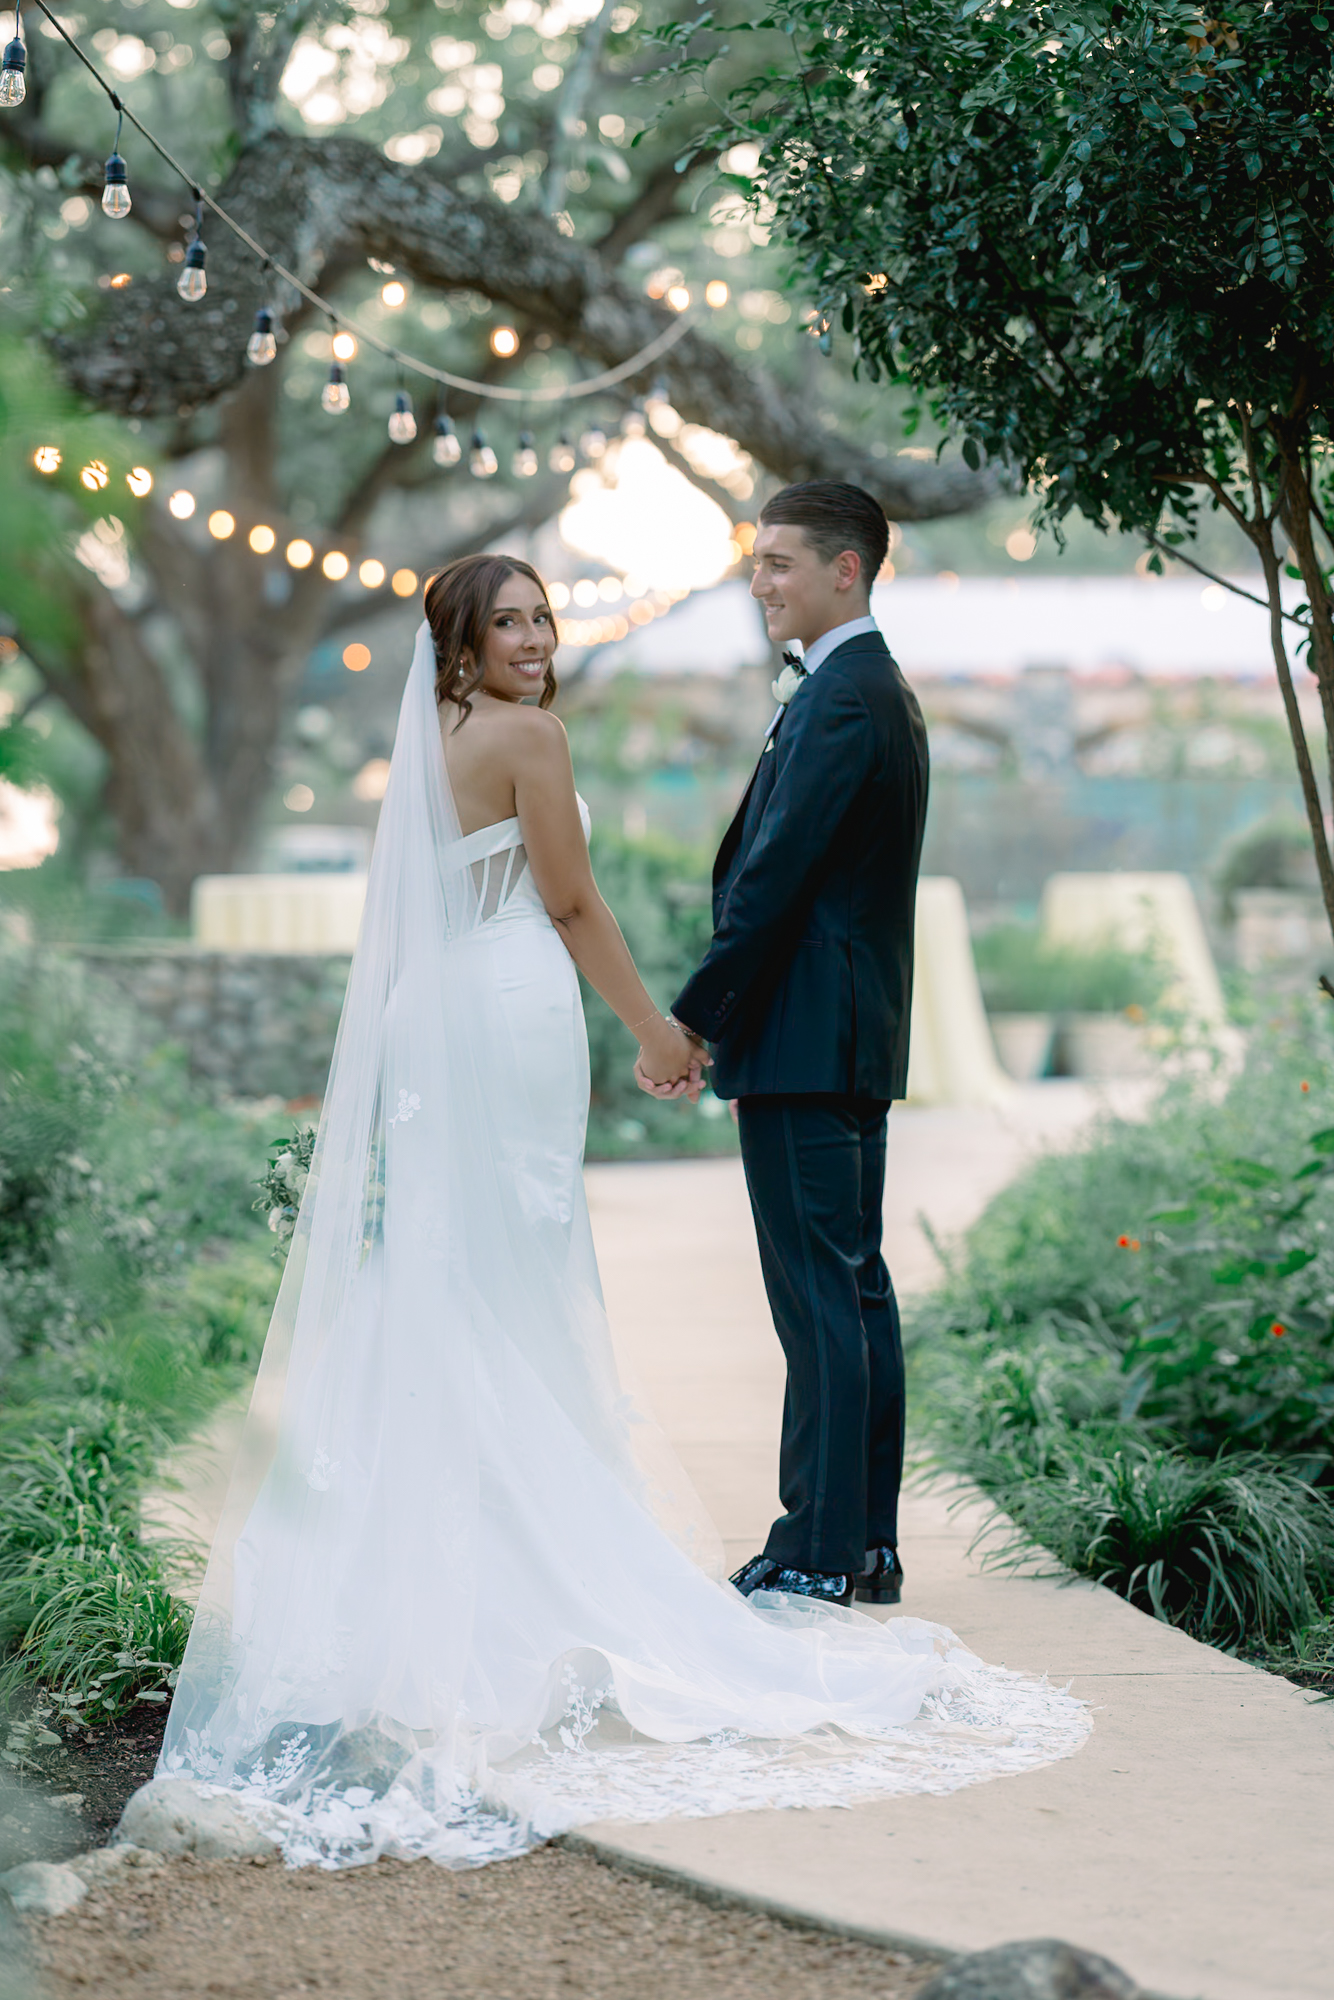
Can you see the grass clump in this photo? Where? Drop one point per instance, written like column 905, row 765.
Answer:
column 1133, row 1355
column 134, row 1294
column 1020, row 972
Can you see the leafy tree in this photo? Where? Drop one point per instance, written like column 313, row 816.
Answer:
column 491, row 173
column 1095, row 240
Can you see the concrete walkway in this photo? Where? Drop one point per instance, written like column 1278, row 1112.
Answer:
column 1191, row 1840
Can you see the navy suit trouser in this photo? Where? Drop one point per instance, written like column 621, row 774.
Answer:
column 815, row 1168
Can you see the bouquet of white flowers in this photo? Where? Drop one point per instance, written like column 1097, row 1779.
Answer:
column 283, row 1183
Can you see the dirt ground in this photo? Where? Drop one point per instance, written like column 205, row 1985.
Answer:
column 549, row 1926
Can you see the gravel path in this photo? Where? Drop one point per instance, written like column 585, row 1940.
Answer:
column 550, row 1926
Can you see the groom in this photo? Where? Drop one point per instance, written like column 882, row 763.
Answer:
column 803, row 998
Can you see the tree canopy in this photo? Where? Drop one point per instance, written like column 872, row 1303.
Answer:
column 1095, row 240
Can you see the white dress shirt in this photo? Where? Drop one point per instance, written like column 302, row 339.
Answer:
column 819, row 650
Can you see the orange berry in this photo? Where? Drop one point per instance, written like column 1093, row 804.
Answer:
column 1278, row 1329
column 1306, row 1086
column 1134, row 1243
column 1123, row 1242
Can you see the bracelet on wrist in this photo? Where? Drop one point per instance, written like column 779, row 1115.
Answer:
column 656, row 1015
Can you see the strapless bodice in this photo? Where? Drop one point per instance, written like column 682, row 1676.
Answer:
column 499, row 863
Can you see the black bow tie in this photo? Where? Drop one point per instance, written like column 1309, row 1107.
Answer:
column 795, row 660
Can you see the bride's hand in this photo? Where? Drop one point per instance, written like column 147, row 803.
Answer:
column 667, row 1059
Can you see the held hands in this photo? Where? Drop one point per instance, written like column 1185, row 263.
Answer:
column 669, row 1063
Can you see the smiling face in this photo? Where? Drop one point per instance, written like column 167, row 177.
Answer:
column 520, row 640
column 803, row 596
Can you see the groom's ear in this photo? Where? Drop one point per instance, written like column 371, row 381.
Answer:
column 848, row 569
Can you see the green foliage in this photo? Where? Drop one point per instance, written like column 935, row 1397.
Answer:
column 283, row 1182
column 1088, row 234
column 1134, row 1355
column 134, row 1293
column 1021, row 974
column 660, row 893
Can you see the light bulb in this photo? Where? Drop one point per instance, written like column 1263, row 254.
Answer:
column 336, row 395
column 446, row 450
column 525, row 457
column 13, row 88
column 482, row 461
column 192, row 283
column 402, row 424
column 561, row 456
column 657, row 397
column 593, row 442
column 115, row 191
column 262, row 346
column 633, row 424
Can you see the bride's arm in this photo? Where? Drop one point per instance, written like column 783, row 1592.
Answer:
column 553, row 837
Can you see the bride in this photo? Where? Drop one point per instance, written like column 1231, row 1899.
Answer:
column 461, row 1596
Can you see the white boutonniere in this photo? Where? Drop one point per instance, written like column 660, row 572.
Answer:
column 787, row 684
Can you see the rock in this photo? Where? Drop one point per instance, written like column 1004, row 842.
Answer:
column 102, row 1864
column 178, row 1816
column 1033, row 1969
column 43, row 1888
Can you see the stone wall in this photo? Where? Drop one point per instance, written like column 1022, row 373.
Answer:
column 253, row 1024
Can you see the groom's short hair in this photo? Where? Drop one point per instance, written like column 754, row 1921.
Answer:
column 833, row 516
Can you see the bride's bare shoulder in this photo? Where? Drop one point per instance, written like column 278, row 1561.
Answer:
column 535, row 736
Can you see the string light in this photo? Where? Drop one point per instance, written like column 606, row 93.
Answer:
column 446, row 450
column 335, row 565
column 356, row 657
column 47, row 458
column 13, row 88
column 633, row 423
column 402, row 424
column 115, row 178
column 593, row 443
column 262, row 346
column 181, row 504
column 561, row 457
column 139, row 480
column 482, row 461
column 221, row 524
column 403, row 583
column 299, row 553
column 193, row 283
column 525, row 457
column 262, row 539
column 716, row 293
column 371, row 573
column 336, row 395
column 95, row 477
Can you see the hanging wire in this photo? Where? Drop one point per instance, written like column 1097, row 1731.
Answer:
column 566, row 392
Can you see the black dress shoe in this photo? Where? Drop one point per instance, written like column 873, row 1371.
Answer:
column 754, row 1575
column 881, row 1582
column 817, row 1584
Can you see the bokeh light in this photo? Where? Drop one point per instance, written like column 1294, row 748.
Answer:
column 139, row 480
column 47, row 458
column 504, row 341
column 335, row 565
column 356, row 657
column 262, row 539
column 371, row 573
column 221, row 524
column 344, row 345
column 181, row 504
column 299, row 799
column 403, row 583
column 300, row 554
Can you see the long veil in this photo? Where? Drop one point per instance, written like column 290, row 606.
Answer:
column 460, row 1593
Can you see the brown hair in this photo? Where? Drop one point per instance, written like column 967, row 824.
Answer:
column 833, row 516
column 458, row 603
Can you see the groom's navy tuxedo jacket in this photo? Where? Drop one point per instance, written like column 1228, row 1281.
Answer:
column 807, row 985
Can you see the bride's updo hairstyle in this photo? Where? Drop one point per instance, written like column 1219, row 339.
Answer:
column 458, row 604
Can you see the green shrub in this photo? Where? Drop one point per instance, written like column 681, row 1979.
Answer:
column 659, row 890
column 134, row 1293
column 1134, row 1352
column 1019, row 974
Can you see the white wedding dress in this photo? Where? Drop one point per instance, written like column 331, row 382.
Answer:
column 461, row 1597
